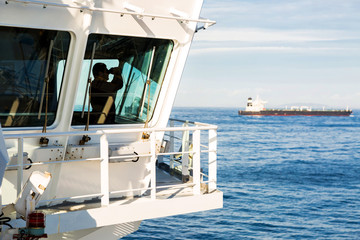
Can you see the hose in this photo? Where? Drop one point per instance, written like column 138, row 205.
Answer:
column 5, row 220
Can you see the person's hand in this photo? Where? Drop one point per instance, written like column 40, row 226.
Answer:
column 116, row 70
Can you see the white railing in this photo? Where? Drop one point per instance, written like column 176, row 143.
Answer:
column 105, row 194
column 139, row 13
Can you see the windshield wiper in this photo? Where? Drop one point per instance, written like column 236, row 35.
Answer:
column 147, row 86
column 86, row 138
column 45, row 93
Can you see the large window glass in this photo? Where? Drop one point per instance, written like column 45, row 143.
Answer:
column 29, row 78
column 121, row 79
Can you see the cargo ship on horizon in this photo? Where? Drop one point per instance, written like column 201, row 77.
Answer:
column 257, row 108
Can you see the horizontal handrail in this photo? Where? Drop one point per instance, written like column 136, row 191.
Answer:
column 72, row 198
column 158, row 187
column 177, row 138
column 186, row 152
column 203, row 174
column 100, row 159
column 194, row 123
column 52, row 162
column 107, row 131
column 122, row 13
column 129, row 156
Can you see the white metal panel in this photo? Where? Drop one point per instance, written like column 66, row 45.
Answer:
column 136, row 211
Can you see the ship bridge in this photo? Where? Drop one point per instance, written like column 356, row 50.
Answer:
column 87, row 89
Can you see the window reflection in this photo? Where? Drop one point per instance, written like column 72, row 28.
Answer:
column 26, row 56
column 133, row 59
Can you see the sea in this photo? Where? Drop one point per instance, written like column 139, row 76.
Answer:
column 283, row 177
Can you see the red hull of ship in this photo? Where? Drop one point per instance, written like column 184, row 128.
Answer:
column 343, row 113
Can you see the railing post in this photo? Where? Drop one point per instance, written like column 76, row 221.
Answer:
column 153, row 165
column 104, row 170
column 212, row 160
column 196, row 161
column 172, row 146
column 185, row 154
column 20, row 163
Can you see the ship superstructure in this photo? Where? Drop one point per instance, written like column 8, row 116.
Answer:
column 87, row 148
column 257, row 108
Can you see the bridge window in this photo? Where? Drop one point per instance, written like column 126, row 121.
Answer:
column 121, row 92
column 28, row 59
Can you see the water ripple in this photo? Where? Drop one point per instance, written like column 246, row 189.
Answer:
column 282, row 178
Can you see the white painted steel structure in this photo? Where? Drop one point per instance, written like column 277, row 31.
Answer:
column 125, row 166
column 146, row 206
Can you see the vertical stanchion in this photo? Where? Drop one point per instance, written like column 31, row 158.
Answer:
column 185, row 154
column 20, row 163
column 153, row 165
column 172, row 146
column 212, row 159
column 196, row 161
column 104, row 170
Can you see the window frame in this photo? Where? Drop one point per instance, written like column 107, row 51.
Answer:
column 170, row 47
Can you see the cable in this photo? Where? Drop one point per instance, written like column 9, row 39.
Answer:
column 5, row 220
column 137, row 159
column 28, row 167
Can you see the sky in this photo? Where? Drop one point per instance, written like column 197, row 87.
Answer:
column 284, row 51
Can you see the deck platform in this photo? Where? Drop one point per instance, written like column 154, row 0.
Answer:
column 68, row 216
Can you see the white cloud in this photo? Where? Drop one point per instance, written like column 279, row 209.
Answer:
column 268, row 35
column 275, row 40
column 271, row 49
column 289, row 12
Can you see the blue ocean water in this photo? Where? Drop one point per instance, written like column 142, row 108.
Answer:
column 282, row 178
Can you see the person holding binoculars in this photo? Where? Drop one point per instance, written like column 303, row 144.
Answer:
column 103, row 93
